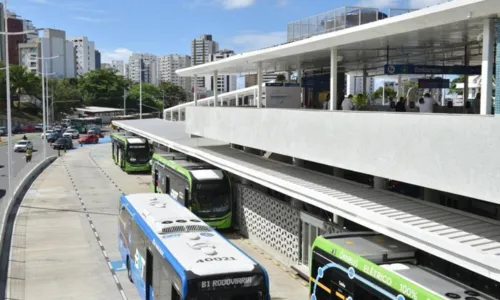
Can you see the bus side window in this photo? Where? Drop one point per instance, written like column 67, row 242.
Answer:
column 187, row 201
column 167, row 184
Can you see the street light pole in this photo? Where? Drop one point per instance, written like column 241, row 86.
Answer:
column 140, row 89
column 124, row 102
column 44, row 124
column 9, row 112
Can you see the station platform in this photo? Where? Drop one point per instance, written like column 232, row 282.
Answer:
column 64, row 244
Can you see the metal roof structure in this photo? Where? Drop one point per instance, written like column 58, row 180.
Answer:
column 433, row 35
column 459, row 237
column 99, row 109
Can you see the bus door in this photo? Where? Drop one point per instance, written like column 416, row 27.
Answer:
column 167, row 184
column 155, row 179
column 149, row 275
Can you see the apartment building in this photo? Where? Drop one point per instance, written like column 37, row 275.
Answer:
column 201, row 49
column 97, row 60
column 145, row 65
column 54, row 44
column 119, row 66
column 168, row 64
column 225, row 83
column 85, row 54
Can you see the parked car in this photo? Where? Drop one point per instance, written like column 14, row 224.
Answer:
column 88, row 139
column 3, row 130
column 54, row 136
column 63, row 143
column 71, row 133
column 22, row 146
column 47, row 133
column 39, row 127
column 28, row 128
column 17, row 129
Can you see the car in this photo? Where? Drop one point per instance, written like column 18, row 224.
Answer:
column 28, row 128
column 22, row 146
column 71, row 133
column 89, row 139
column 54, row 136
column 63, row 143
column 39, row 127
column 47, row 133
column 3, row 131
column 17, row 129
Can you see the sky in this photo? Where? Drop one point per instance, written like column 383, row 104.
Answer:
column 161, row 27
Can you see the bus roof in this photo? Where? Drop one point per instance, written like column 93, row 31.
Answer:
column 200, row 171
column 129, row 138
column 182, row 238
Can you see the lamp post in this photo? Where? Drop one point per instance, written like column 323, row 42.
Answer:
column 140, row 87
column 7, row 93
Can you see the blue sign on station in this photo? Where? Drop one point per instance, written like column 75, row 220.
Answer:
column 437, row 70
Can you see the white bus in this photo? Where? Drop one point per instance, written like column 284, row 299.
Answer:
column 171, row 254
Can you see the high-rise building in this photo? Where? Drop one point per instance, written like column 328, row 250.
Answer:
column 126, row 71
column 97, row 60
column 106, row 66
column 200, row 50
column 28, row 55
column 251, row 79
column 54, row 44
column 119, row 66
column 85, row 54
column 168, row 64
column 15, row 25
column 145, row 62
column 225, row 83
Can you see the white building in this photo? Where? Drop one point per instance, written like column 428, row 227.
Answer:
column 118, row 65
column 126, row 71
column 201, row 49
column 85, row 54
column 54, row 44
column 168, row 64
column 225, row 83
column 29, row 54
column 145, row 62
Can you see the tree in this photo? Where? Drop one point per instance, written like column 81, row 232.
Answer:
column 103, row 87
column 173, row 94
column 66, row 95
column 453, row 85
column 389, row 93
column 151, row 97
column 23, row 82
column 281, row 78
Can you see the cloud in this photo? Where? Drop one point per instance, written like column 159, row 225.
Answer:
column 252, row 40
column 118, row 54
column 94, row 20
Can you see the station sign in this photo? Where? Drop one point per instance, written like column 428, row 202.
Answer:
column 437, row 70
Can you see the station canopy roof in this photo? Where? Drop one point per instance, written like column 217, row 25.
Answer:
column 436, row 35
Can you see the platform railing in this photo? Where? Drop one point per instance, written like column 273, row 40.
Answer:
column 233, row 98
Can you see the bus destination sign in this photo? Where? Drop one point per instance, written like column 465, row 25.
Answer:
column 229, row 283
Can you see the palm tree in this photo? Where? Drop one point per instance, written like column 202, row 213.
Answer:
column 22, row 82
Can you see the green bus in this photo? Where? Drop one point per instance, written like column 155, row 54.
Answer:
column 84, row 124
column 369, row 266
column 131, row 153
column 203, row 188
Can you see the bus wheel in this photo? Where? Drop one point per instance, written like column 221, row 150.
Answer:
column 129, row 271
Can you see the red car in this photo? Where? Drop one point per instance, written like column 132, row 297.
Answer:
column 88, row 139
column 29, row 128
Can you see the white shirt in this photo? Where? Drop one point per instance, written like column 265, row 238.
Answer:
column 347, row 104
column 427, row 106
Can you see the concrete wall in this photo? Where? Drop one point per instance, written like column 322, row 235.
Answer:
column 452, row 153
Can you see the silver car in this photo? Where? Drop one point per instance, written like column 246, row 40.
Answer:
column 71, row 133
column 23, row 146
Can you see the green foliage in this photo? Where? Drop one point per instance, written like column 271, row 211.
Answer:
column 453, row 85
column 102, row 88
column 360, row 101
column 281, row 78
column 173, row 94
column 389, row 92
column 66, row 95
column 151, row 96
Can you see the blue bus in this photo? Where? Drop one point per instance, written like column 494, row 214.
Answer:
column 170, row 253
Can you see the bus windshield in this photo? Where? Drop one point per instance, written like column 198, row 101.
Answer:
column 138, row 154
column 212, row 200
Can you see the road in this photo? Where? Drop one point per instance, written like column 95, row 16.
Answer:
column 19, row 162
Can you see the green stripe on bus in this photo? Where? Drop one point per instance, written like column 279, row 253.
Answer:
column 407, row 288
column 173, row 165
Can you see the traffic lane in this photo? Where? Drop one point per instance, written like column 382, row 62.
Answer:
column 19, row 162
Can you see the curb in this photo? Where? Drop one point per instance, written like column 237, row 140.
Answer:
column 9, row 215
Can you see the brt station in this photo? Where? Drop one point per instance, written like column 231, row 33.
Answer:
column 427, row 180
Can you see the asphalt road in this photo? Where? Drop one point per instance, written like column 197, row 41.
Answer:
column 19, row 167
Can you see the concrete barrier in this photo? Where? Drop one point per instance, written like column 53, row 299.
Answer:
column 16, row 195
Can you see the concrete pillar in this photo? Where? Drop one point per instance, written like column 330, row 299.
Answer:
column 298, row 162
column 338, row 172
column 497, row 90
column 379, row 183
column 221, row 101
column 179, row 115
column 487, row 66
column 171, row 115
column 400, row 87
column 364, row 82
column 333, row 78
column 216, row 90
column 195, row 93
column 299, row 79
column 466, row 77
column 237, row 100
column 259, row 84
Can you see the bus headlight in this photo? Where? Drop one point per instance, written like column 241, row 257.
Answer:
column 133, row 159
